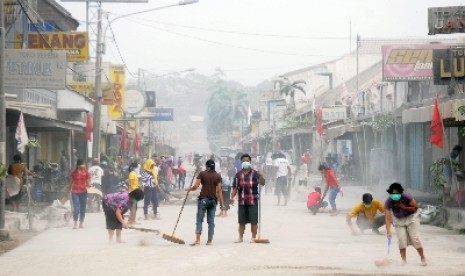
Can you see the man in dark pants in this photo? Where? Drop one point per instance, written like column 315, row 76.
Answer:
column 367, row 215
column 211, row 186
column 246, row 184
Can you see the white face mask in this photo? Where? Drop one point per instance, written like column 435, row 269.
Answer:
column 367, row 206
column 246, row 165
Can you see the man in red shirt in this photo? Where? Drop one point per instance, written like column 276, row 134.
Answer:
column 332, row 184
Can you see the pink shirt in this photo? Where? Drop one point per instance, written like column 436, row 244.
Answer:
column 313, row 199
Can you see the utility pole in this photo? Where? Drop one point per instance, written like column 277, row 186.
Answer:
column 98, row 89
column 4, row 235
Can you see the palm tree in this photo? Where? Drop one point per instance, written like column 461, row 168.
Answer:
column 288, row 88
column 226, row 108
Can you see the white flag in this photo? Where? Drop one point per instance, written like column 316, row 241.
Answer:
column 21, row 134
column 374, row 89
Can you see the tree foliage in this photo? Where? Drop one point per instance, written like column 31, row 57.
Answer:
column 227, row 108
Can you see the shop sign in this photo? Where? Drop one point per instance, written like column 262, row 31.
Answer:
column 27, row 68
column 334, row 113
column 446, row 20
column 445, row 70
column 408, row 62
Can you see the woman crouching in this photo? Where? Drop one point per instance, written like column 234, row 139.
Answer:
column 115, row 205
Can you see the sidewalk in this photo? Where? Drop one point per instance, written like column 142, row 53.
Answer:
column 15, row 221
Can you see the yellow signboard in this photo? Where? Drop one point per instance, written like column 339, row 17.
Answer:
column 117, row 78
column 76, row 44
column 83, row 87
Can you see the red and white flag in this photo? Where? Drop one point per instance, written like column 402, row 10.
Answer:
column 21, row 134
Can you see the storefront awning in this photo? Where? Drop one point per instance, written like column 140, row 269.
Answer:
column 336, row 131
column 423, row 114
column 40, row 124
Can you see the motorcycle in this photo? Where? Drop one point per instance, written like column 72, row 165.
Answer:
column 54, row 181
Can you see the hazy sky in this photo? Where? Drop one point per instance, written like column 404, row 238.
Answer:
column 252, row 40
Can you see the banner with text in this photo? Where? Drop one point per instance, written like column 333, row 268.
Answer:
column 408, row 62
column 449, row 64
column 35, row 68
column 117, row 79
column 163, row 114
column 76, row 44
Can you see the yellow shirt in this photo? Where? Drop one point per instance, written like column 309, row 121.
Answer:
column 133, row 181
column 370, row 213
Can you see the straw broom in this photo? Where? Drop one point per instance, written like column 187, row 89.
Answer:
column 259, row 238
column 172, row 237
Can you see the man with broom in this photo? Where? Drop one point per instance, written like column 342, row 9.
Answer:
column 211, row 187
column 246, row 184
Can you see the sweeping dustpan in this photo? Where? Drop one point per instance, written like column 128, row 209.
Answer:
column 387, row 260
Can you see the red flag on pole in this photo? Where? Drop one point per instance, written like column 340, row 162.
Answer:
column 124, row 140
column 136, row 143
column 436, row 126
column 89, row 126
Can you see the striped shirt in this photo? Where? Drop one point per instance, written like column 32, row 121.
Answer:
column 146, row 179
column 247, row 187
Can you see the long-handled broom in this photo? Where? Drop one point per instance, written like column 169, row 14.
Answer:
column 259, row 238
column 172, row 237
column 387, row 260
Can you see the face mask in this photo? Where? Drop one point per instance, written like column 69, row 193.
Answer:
column 395, row 197
column 367, row 205
column 246, row 165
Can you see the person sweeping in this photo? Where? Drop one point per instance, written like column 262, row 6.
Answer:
column 211, row 187
column 115, row 205
column 246, row 184
column 401, row 210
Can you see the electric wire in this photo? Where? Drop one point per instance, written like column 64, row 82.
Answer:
column 118, row 49
column 235, row 46
column 246, row 33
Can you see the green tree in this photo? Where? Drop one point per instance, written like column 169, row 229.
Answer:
column 227, row 108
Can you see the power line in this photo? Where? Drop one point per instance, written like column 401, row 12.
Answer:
column 119, row 51
column 248, row 33
column 235, row 46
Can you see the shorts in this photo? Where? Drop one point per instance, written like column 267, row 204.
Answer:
column 248, row 214
column 407, row 230
column 281, row 186
column 111, row 220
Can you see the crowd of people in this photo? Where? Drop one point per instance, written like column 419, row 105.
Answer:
column 153, row 180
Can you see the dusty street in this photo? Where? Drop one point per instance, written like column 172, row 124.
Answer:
column 301, row 244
